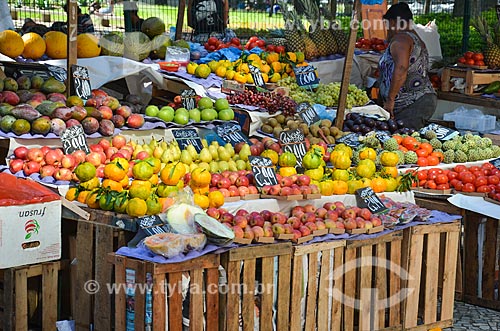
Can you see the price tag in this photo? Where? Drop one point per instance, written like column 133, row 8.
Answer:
column 81, row 82
column 263, row 171
column 382, row 136
column 257, row 76
column 307, row 113
column 443, row 133
column 293, row 141
column 188, row 99
column 368, row 199
column 306, row 76
column 186, row 137
column 496, row 163
column 350, row 139
column 231, row 133
column 58, row 73
column 73, row 139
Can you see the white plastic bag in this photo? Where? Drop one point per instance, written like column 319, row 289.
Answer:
column 430, row 36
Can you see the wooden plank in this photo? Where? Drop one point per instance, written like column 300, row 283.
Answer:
column 323, row 290
column 21, row 299
column 284, row 274
column 349, row 289
column 338, row 285
column 71, row 46
column 248, row 300
column 365, row 288
column 202, row 262
column 140, row 296
column 311, row 296
column 212, row 299
column 175, row 301
column 390, row 237
column 9, row 280
column 489, row 259
column 245, row 253
column 426, row 327
column 49, row 295
column 414, row 270
column 434, row 204
column 431, row 278
column 449, row 276
column 471, row 267
column 120, row 297
column 313, row 248
column 296, row 293
column 381, row 286
column 180, row 19
column 233, row 299
column 395, row 285
column 103, row 275
column 266, row 302
column 196, row 301
column 432, row 228
column 85, row 261
column 159, row 304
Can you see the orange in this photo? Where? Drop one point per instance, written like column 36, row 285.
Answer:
column 392, row 184
column 172, row 173
column 92, row 199
column 200, row 177
column 354, row 185
column 155, row 180
column 155, row 163
column 125, row 182
column 82, row 196
column 201, row 190
column 389, row 159
column 165, row 191
column 368, row 153
column 378, row 185
column 136, row 207
column 90, row 184
column 72, row 194
column 339, row 187
column 166, row 203
column 339, row 174
column 342, row 161
column 154, row 206
column 201, row 200
column 287, row 171
column 112, row 185
column 120, row 204
column 142, row 170
column 390, row 171
column 85, row 171
column 216, row 199
column 366, row 182
column 432, row 160
column 140, row 189
column 271, row 154
column 439, row 155
column 114, row 171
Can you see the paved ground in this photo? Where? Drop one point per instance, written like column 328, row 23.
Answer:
column 469, row 317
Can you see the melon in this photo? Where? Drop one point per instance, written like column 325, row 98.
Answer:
column 152, row 27
column 112, row 44
column 11, row 43
column 216, row 233
column 88, row 45
column 160, row 52
column 34, row 46
column 136, row 46
column 56, row 43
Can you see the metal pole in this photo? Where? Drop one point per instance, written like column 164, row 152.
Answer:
column 466, row 26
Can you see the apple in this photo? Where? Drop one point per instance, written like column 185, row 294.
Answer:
column 305, row 189
column 314, row 189
column 47, row 171
column 63, row 174
column 257, row 221
column 294, row 222
column 52, row 157
column 127, row 154
column 45, row 149
column 35, row 154
column 278, row 218
column 349, row 213
column 285, row 191
column 226, row 173
column 360, row 222
column 332, row 215
column 294, row 179
column 243, row 190
column 297, row 234
column 339, row 207
column 226, row 218
column 31, row 167
column 275, row 189
column 213, row 212
column 242, row 181
column 266, row 214
column 242, row 212
column 119, row 141
column 329, row 224
column 258, row 231
column 21, row 152
column 233, row 191
column 303, row 180
column 329, row 206
column 94, row 158
column 311, row 225
column 99, row 171
column 356, row 209
column 320, row 225
column 340, row 224
column 224, row 182
column 248, row 233
column 308, row 218
column 68, row 161
column 268, row 231
column 233, row 177
column 350, row 224
column 376, row 221
column 240, row 221
column 288, row 228
column 296, row 190
column 278, row 228
column 365, row 213
column 96, row 148
column 304, row 230
column 321, row 212
column 368, row 224
column 238, row 232
column 225, row 192
column 111, row 151
column 105, row 143
column 297, row 209
column 16, row 165
column 309, row 208
column 286, row 182
column 142, row 155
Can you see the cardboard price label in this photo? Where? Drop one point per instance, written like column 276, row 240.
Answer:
column 496, row 163
column 367, row 198
column 258, row 80
column 307, row 113
column 263, row 171
column 188, row 98
column 74, row 139
column 306, row 76
column 351, row 139
column 81, row 82
column 293, row 141
column 186, row 137
column 231, row 133
column 382, row 136
column 443, row 133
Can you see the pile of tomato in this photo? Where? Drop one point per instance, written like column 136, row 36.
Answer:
column 472, row 59
column 375, row 44
column 481, row 179
column 213, row 44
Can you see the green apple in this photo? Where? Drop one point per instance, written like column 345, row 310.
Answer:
column 152, row 110
column 221, row 104
column 208, row 114
column 195, row 114
column 183, row 111
column 226, row 114
column 166, row 113
column 181, row 118
column 205, row 103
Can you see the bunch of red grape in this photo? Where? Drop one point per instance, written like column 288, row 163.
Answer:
column 271, row 101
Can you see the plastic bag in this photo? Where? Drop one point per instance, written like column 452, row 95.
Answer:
column 177, row 54
column 18, row 191
column 430, row 36
column 173, row 244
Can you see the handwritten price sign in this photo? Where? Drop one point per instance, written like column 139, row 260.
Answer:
column 443, row 133
column 370, row 200
column 258, row 80
column 231, row 133
column 186, row 137
column 81, row 82
column 263, row 171
column 188, row 99
column 73, row 139
column 306, row 76
column 294, row 141
column 307, row 113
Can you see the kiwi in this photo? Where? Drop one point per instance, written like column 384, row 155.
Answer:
column 267, row 128
column 293, row 126
column 272, row 122
column 330, row 140
column 277, row 132
column 314, row 140
column 326, row 122
column 334, row 130
column 304, row 128
column 326, row 130
column 314, row 129
column 280, row 118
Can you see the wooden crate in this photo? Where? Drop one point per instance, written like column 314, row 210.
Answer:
column 16, row 286
column 472, row 77
column 481, row 244
column 373, row 283
column 166, row 290
column 86, row 243
column 426, row 256
column 240, row 265
column 323, row 312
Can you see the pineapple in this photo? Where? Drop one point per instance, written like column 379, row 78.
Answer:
column 311, row 10
column 293, row 30
column 341, row 38
column 491, row 50
column 331, row 43
column 310, row 50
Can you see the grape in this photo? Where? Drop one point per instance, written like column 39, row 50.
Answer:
column 270, row 101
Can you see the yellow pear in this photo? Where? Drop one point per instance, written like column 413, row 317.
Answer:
column 223, row 154
column 213, row 151
column 245, row 152
column 186, row 158
column 229, row 148
column 193, row 152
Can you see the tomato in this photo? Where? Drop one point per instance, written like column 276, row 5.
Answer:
column 422, row 162
column 212, row 41
column 252, row 45
column 435, row 171
column 495, row 172
column 261, row 43
column 492, row 187
column 479, row 63
column 488, row 165
column 253, row 39
column 432, row 160
column 461, row 60
column 460, row 168
column 422, row 174
column 459, row 186
column 487, row 172
column 470, row 62
column 480, row 181
column 478, row 57
column 483, row 189
column 358, row 44
column 452, row 175
column 439, row 155
column 431, row 184
column 271, row 48
column 468, row 55
column 478, row 173
column 493, row 180
column 443, row 186
column 235, row 41
column 422, row 183
column 280, row 49
column 469, row 187
column 380, row 47
column 474, row 168
column 466, row 177
column 441, row 179
column 454, row 182
column 422, row 152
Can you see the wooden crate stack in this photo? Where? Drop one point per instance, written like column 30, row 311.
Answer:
column 472, row 77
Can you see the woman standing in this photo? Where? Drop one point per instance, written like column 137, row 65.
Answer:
column 405, row 88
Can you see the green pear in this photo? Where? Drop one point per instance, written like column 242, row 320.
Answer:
column 204, row 143
column 214, row 167
column 245, row 152
column 158, row 151
column 249, row 166
column 205, row 155
column 204, row 165
column 192, row 166
column 147, row 149
column 137, row 150
column 153, row 143
column 213, row 151
column 223, row 165
column 236, row 157
column 241, row 165
column 176, row 153
column 164, row 145
column 186, row 157
column 167, row 156
column 232, row 165
column 229, row 148
column 215, row 143
column 223, row 154
column 193, row 152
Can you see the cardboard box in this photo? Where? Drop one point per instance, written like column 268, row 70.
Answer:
column 30, row 233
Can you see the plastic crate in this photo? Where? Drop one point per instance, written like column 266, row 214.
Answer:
column 480, row 123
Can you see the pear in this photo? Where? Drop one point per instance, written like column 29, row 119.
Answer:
column 223, row 154
column 214, row 167
column 158, row 151
column 229, row 148
column 249, row 166
column 192, row 166
column 167, row 156
column 193, row 152
column 215, row 143
column 153, row 143
column 164, row 145
column 137, row 150
column 187, row 167
column 236, row 157
column 245, row 152
column 223, row 165
column 204, row 165
column 204, row 143
column 213, row 151
column 176, row 153
column 147, row 149
column 232, row 165
column 205, row 155
column 241, row 165
column 186, row 157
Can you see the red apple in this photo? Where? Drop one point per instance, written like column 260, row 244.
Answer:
column 94, row 158
column 278, row 217
column 233, row 176
column 215, row 179
column 243, row 190
column 16, row 165
column 233, row 191
column 248, row 233
column 225, row 192
column 294, row 222
column 242, row 212
column 258, row 231
column 96, row 148
column 297, row 234
column 308, row 218
column 360, row 222
column 257, row 221
column 304, row 230
column 278, row 228
column 365, row 213
column 240, row 221
column 31, row 167
column 126, row 153
column 368, row 225
column 213, row 212
column 119, row 141
column 99, row 171
column 63, row 174
column 242, row 181
column 45, row 149
column 52, row 157
column 306, row 189
column 111, row 151
column 320, row 225
column 350, row 224
column 329, row 224
column 376, row 221
column 286, row 182
column 340, row 224
column 285, row 191
column 314, row 189
column 238, row 232
column 266, row 189
column 21, row 152
column 321, row 212
column 35, row 154
column 303, row 180
column 47, row 171
column 309, row 208
column 224, row 182
column 329, row 206
column 68, row 161
column 266, row 214
column 312, row 226
column 226, row 218
column 349, row 213
column 275, row 189
column 340, row 207
column 288, row 228
column 332, row 215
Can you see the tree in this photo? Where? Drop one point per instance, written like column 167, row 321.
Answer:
column 476, row 7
